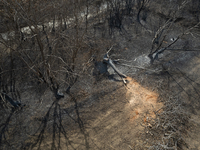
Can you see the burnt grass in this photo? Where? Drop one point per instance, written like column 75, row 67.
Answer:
column 95, row 112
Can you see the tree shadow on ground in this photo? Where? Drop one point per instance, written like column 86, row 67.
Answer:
column 4, row 129
column 54, row 121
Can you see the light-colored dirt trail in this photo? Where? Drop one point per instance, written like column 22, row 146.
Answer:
column 119, row 127
column 116, row 123
column 143, row 101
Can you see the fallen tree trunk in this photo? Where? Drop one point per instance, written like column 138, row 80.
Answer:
column 110, row 62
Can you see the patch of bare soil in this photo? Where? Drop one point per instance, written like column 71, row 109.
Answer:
column 120, row 126
column 115, row 120
column 142, row 101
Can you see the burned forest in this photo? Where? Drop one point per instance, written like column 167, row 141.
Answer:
column 99, row 74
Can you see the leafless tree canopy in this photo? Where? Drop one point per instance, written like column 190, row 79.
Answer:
column 53, row 55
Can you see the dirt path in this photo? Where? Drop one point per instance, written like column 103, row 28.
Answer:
column 117, row 121
column 120, row 127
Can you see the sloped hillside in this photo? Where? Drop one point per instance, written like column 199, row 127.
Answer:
column 58, row 88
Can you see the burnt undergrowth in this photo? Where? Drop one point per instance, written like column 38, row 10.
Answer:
column 41, row 68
